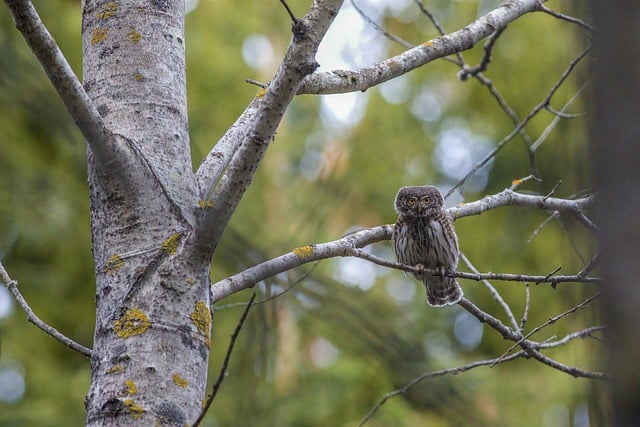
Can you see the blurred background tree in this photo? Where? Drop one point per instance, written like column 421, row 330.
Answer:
column 348, row 331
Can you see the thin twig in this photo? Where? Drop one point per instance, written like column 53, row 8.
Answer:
column 547, row 131
column 544, row 223
column 527, row 306
column 12, row 286
column 257, row 83
column 225, row 363
column 586, row 332
column 562, row 115
column 379, row 28
column 429, row 375
column 286, row 6
column 593, row 263
column 530, row 347
column 274, row 296
column 551, row 321
column 518, row 182
column 478, row 277
column 467, row 72
column 460, row 60
column 524, row 121
column 496, row 295
column 567, row 18
column 553, row 190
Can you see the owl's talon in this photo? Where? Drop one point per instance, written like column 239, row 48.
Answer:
column 420, row 268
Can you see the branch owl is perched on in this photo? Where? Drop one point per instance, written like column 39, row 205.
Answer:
column 424, row 236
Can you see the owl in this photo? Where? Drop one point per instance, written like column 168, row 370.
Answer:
column 424, row 237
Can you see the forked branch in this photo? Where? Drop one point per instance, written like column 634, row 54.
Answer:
column 352, row 244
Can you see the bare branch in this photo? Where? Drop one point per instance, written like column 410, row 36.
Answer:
column 341, row 81
column 379, row 28
column 509, row 197
column 224, row 195
column 551, row 321
column 595, row 261
column 12, row 286
column 584, row 333
column 531, row 348
column 527, row 306
column 560, row 114
column 350, row 246
column 84, row 113
column 225, row 363
column 567, row 18
column 291, row 15
column 299, row 256
column 216, row 162
column 467, row 71
column 544, row 223
column 524, row 121
column 496, row 295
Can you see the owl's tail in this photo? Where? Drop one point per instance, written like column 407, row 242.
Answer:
column 442, row 291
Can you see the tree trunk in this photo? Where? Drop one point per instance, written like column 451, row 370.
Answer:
column 615, row 136
column 152, row 335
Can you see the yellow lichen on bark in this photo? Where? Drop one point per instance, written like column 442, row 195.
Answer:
column 134, row 36
column 113, row 264
column 201, row 317
column 133, row 322
column 136, row 410
column 181, row 382
column 108, row 10
column 130, row 387
column 205, row 204
column 115, row 369
column 98, row 35
column 303, row 252
column 428, row 43
column 170, row 245
column 261, row 93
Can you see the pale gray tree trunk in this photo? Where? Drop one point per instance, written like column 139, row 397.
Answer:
column 155, row 223
column 152, row 336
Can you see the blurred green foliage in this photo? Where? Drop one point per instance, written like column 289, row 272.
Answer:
column 323, row 353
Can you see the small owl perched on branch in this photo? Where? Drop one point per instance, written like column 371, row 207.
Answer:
column 424, row 237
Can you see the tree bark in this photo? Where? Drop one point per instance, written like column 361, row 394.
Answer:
column 152, row 335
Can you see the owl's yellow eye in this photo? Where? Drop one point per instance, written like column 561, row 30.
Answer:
column 426, row 200
column 411, row 201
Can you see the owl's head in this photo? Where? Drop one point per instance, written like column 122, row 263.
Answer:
column 419, row 201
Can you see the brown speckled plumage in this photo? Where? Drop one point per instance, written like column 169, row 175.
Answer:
column 424, row 236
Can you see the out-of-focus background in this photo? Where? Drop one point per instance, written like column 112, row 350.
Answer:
column 348, row 331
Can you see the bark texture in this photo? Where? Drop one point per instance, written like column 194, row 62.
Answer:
column 152, row 336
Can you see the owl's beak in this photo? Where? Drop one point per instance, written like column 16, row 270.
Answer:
column 420, row 208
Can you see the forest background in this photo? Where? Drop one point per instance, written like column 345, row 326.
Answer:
column 348, row 331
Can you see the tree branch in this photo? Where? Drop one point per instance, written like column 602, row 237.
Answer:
column 351, row 244
column 299, row 61
column 551, row 321
column 84, row 113
column 12, row 286
column 521, row 125
column 342, row 81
